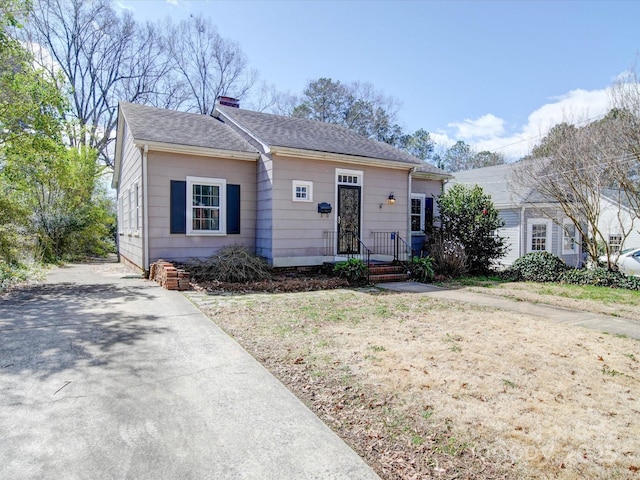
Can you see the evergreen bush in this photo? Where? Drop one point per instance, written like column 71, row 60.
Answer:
column 536, row 267
column 600, row 277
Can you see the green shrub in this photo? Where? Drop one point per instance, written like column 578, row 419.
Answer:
column 421, row 269
column 468, row 215
column 354, row 270
column 600, row 277
column 10, row 274
column 536, row 267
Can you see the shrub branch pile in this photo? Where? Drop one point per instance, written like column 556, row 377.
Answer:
column 230, row 265
column 235, row 269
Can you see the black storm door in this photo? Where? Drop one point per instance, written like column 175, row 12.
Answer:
column 348, row 219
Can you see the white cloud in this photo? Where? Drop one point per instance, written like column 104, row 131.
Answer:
column 577, row 107
column 441, row 139
column 486, row 126
column 488, row 132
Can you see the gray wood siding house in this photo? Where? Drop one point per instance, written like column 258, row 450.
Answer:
column 294, row 191
column 532, row 223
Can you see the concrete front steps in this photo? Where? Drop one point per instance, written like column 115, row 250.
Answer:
column 387, row 272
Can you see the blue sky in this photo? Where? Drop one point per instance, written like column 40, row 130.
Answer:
column 495, row 74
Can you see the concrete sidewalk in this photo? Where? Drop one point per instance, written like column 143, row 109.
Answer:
column 107, row 376
column 593, row 321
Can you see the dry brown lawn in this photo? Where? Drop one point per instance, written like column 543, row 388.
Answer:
column 424, row 388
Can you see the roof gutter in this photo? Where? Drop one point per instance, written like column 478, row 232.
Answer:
column 431, row 175
column 193, row 150
column 338, row 157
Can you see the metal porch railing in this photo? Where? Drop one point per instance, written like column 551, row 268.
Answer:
column 351, row 246
column 391, row 244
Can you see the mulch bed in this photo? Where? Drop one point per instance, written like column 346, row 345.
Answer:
column 278, row 284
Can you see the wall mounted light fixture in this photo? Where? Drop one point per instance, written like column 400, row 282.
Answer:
column 392, row 199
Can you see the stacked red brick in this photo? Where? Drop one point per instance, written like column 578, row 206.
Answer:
column 169, row 276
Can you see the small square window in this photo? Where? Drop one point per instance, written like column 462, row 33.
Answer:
column 302, row 191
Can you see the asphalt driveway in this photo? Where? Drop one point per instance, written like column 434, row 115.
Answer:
column 104, row 375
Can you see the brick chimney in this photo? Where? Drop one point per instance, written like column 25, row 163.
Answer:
column 228, row 101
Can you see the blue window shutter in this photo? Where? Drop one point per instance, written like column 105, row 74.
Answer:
column 178, row 207
column 233, row 209
column 428, row 211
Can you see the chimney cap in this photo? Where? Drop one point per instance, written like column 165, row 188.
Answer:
column 228, row 101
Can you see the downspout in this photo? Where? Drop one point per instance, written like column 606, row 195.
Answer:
column 145, row 211
column 523, row 234
column 408, row 214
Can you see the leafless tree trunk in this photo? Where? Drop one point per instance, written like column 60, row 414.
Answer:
column 208, row 65
column 101, row 58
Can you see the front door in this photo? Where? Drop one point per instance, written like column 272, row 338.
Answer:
column 348, row 219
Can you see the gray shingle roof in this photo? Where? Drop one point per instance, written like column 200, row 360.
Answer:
column 498, row 182
column 289, row 132
column 428, row 168
column 617, row 196
column 180, row 128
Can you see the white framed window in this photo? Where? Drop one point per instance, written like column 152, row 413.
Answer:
column 570, row 238
column 132, row 209
column 121, row 214
column 302, row 191
column 615, row 242
column 136, row 199
column 349, row 177
column 539, row 235
column 206, row 203
column 417, row 212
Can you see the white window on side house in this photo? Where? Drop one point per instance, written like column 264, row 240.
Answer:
column 539, row 235
column 615, row 242
column 121, row 214
column 206, row 202
column 417, row 213
column 570, row 238
column 130, row 210
column 302, row 191
column 136, row 199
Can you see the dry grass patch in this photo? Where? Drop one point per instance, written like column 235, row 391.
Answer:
column 609, row 301
column 426, row 388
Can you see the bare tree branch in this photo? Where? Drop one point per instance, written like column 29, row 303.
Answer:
column 582, row 165
column 100, row 57
column 209, row 65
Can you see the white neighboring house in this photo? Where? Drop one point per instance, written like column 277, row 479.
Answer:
column 618, row 222
column 533, row 223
